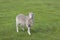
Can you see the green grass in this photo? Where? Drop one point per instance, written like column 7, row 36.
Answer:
column 46, row 19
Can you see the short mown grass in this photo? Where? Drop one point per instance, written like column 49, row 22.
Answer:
column 46, row 19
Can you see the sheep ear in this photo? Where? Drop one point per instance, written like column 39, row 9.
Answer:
column 30, row 15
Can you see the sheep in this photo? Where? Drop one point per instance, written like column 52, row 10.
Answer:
column 24, row 21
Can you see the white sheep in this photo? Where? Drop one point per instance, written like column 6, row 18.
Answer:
column 24, row 20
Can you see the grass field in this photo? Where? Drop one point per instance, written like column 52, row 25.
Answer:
column 46, row 19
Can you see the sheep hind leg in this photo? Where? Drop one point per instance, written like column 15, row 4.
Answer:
column 17, row 27
column 22, row 27
column 17, row 23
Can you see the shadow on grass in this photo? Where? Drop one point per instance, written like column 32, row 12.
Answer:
column 42, row 30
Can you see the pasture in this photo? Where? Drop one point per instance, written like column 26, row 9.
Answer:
column 46, row 19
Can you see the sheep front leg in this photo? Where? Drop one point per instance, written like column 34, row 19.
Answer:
column 28, row 26
column 29, row 31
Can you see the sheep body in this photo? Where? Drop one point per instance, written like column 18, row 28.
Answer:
column 24, row 20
